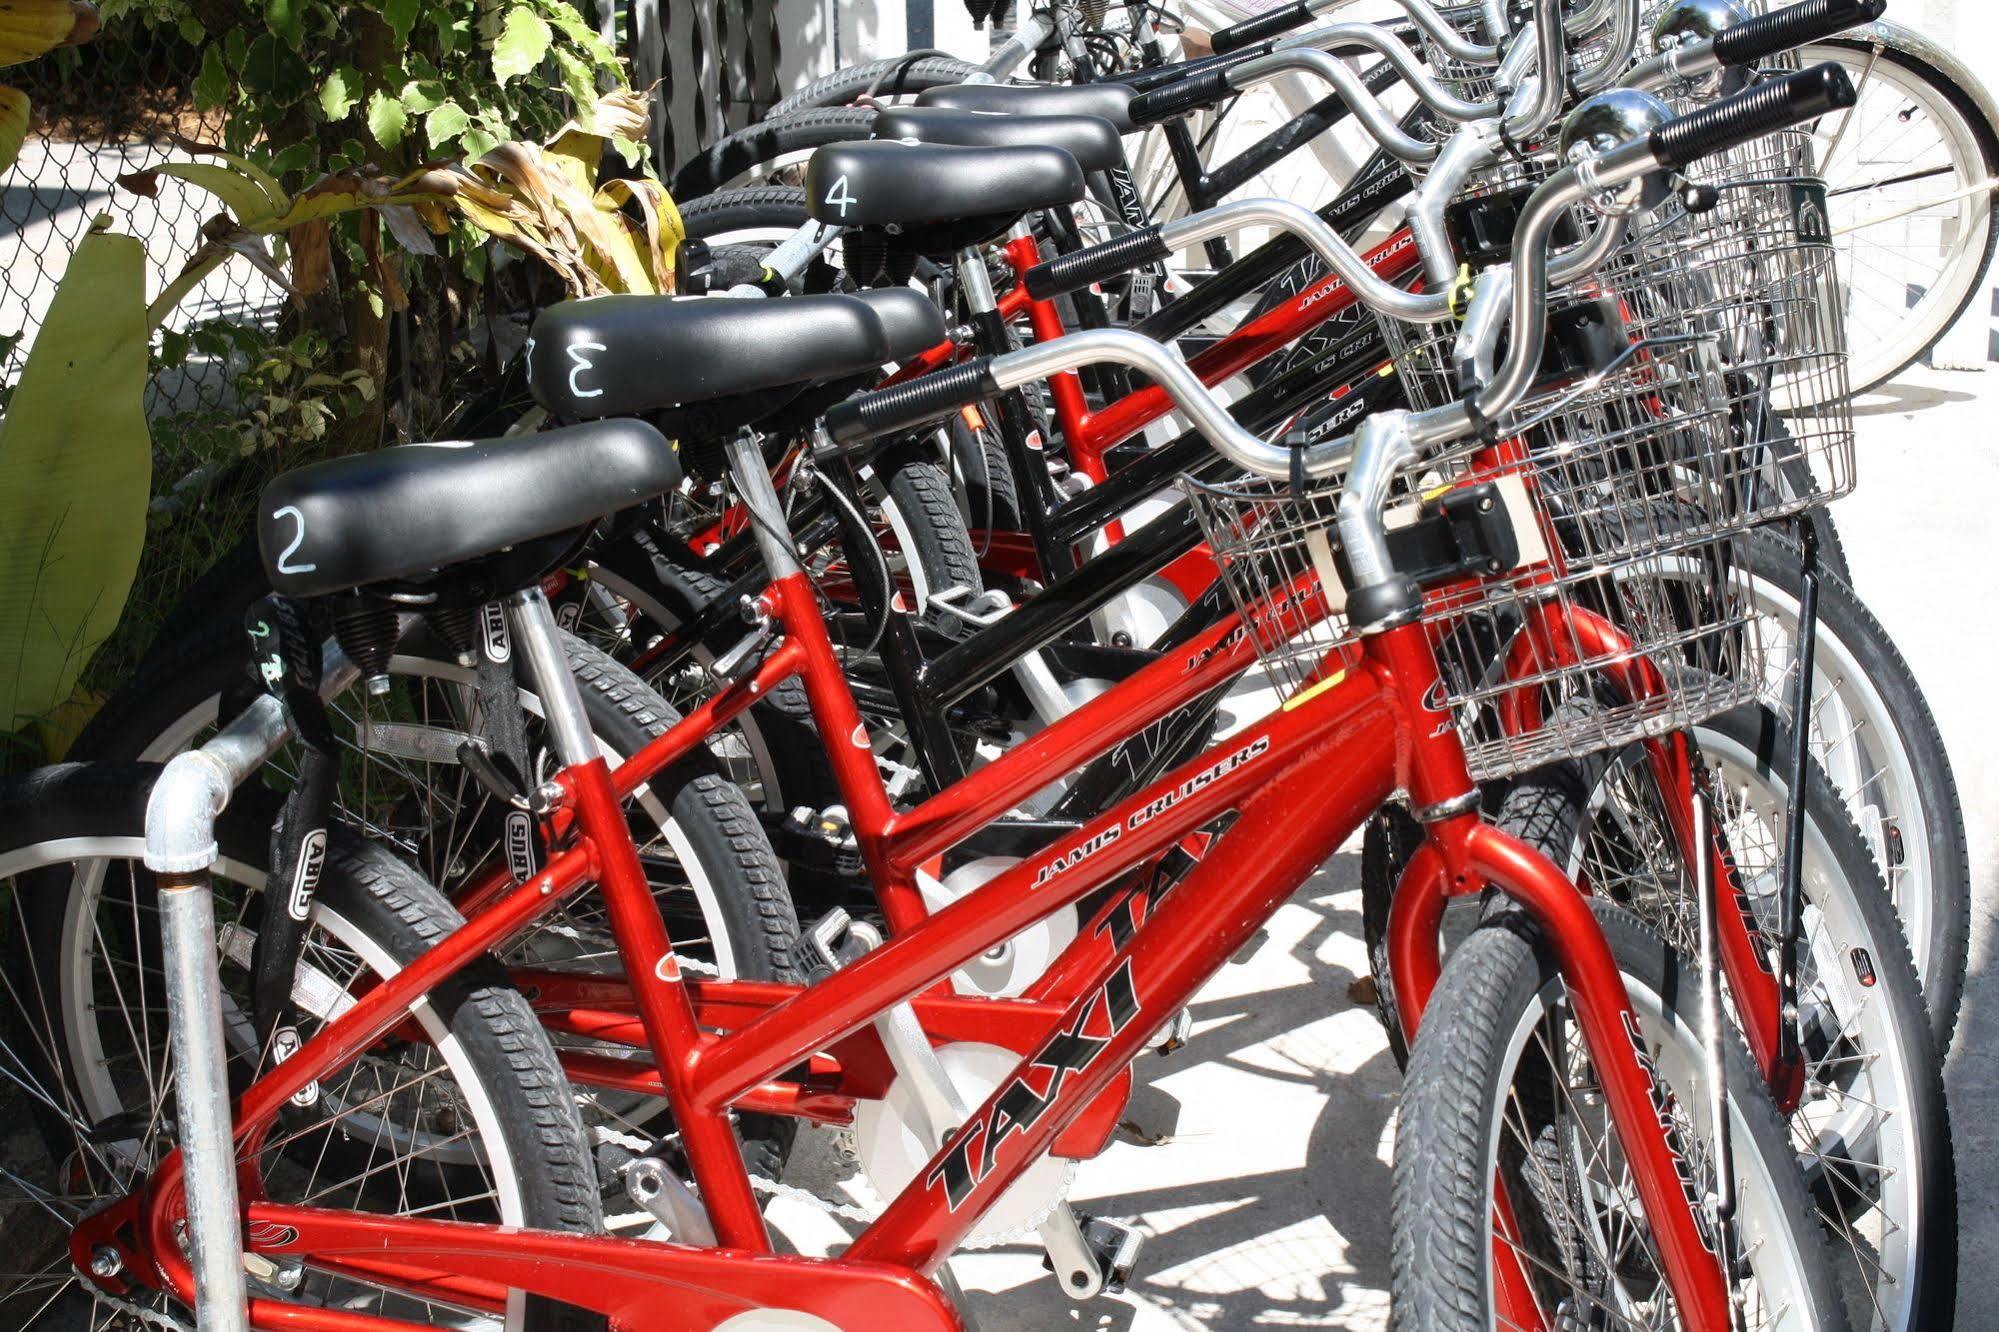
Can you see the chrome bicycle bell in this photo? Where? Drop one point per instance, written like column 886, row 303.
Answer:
column 1609, row 120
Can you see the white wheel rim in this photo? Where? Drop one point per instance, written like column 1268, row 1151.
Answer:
column 1885, row 330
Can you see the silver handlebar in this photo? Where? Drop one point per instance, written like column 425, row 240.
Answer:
column 1302, row 222
column 1352, row 89
column 1203, row 410
column 1408, row 65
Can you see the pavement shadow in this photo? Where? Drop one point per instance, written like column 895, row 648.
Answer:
column 1902, row 399
column 1253, row 1252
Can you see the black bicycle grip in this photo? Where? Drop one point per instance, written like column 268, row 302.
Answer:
column 1159, row 76
column 1791, row 27
column 920, row 401
column 1177, row 99
column 1281, row 19
column 1073, row 272
column 1764, row 109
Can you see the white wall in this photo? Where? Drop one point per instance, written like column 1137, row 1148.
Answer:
column 865, row 30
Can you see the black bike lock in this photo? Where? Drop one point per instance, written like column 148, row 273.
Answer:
column 285, row 657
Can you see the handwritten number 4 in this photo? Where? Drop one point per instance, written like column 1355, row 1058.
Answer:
column 839, row 196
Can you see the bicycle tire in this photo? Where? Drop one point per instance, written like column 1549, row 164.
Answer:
column 1847, row 627
column 728, row 159
column 922, row 509
column 777, row 207
column 745, row 910
column 375, row 902
column 1546, row 809
column 1448, row 1126
column 894, row 76
column 989, row 492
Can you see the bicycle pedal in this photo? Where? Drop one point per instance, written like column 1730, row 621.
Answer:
column 1174, row 1034
column 819, row 839
column 1113, row 1248
column 833, row 941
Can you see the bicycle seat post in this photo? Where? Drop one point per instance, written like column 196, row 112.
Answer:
column 759, row 496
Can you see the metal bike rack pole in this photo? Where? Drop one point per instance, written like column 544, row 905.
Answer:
column 181, row 849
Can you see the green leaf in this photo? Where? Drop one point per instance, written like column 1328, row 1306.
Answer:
column 75, row 477
column 286, row 18
column 419, row 97
column 522, row 43
column 478, row 141
column 234, row 46
column 245, row 197
column 173, row 348
column 274, row 71
column 579, row 78
column 401, row 16
column 298, row 157
column 212, row 84
column 13, row 124
column 387, row 120
column 572, row 25
column 191, row 30
column 444, row 124
column 451, row 30
column 340, row 91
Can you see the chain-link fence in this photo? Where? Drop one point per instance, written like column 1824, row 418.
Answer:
column 104, row 110
column 126, row 103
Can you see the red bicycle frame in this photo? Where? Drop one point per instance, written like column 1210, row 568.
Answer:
column 720, row 1045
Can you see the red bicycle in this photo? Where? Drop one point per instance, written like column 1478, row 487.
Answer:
column 1595, row 1049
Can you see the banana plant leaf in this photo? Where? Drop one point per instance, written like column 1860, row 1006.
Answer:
column 75, row 476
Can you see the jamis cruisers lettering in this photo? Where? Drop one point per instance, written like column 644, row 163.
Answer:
column 1068, row 860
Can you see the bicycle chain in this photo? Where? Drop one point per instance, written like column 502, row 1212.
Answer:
column 145, row 1316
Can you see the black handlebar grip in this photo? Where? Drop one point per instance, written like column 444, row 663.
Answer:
column 1177, row 99
column 1793, row 26
column 1764, row 109
column 1159, row 76
column 1281, row 19
column 920, row 401
column 1073, row 272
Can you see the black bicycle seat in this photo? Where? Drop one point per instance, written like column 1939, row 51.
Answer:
column 404, row 512
column 1091, row 140
column 1106, row 101
column 627, row 355
column 883, row 183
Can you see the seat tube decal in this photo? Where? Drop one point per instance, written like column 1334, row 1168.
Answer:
column 1019, row 1105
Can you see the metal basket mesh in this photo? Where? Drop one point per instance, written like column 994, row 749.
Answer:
column 1730, row 323
column 1623, row 597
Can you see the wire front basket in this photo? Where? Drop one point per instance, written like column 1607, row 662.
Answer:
column 1713, row 344
column 1632, row 602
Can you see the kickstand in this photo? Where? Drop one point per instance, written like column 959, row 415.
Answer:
column 1790, row 918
